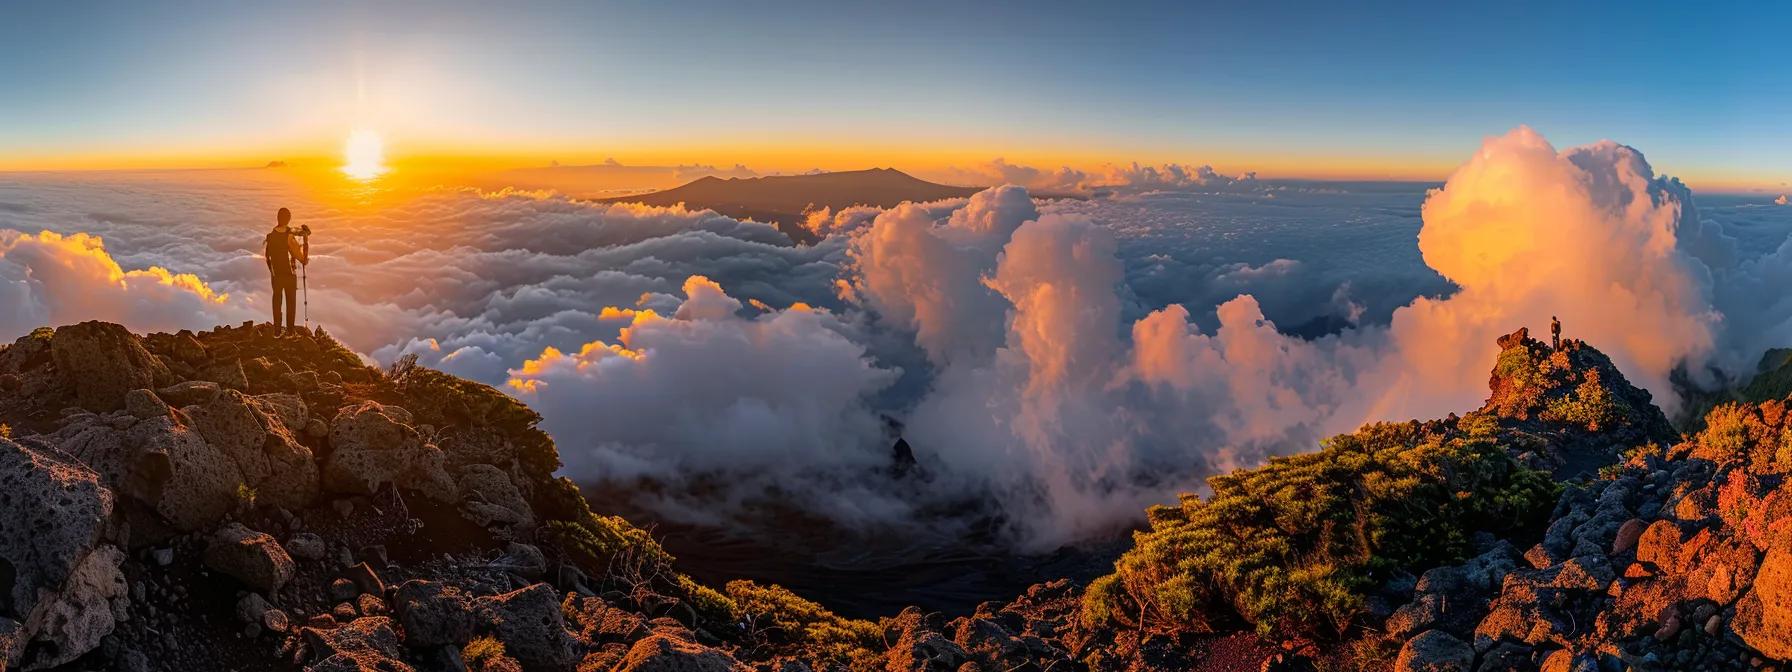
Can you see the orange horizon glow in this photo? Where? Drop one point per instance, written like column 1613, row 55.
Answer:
column 422, row 161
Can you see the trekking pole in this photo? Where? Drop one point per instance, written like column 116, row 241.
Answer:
column 304, row 281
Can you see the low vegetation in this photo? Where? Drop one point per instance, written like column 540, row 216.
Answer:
column 780, row 619
column 1297, row 545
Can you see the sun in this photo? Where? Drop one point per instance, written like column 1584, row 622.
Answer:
column 364, row 155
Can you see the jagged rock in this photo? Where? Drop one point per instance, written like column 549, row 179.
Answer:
column 433, row 614
column 363, row 645
column 373, row 444
column 253, row 434
column 87, row 609
column 302, row 381
column 489, row 499
column 661, row 653
column 1435, row 651
column 227, row 373
column 1764, row 614
column 187, row 348
column 159, row 462
column 529, row 623
column 59, row 577
column 251, row 557
column 170, row 467
column 145, row 405
column 294, row 415
column 31, row 351
column 190, row 392
column 102, row 361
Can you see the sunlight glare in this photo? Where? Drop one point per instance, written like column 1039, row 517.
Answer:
column 364, row 155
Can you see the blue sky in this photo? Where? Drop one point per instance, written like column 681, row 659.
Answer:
column 1703, row 90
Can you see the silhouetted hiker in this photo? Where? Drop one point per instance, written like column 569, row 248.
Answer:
column 284, row 254
column 1555, row 333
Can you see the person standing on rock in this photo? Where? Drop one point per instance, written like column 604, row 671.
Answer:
column 1555, row 333
column 284, row 253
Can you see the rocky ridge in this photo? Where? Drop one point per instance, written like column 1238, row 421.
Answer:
column 228, row 500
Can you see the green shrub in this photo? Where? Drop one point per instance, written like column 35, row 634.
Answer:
column 1295, row 546
column 781, row 617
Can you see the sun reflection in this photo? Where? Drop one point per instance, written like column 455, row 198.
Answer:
column 364, row 156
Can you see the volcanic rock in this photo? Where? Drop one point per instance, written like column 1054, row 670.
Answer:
column 529, row 623
column 250, row 556
column 101, row 362
column 60, row 579
column 372, row 444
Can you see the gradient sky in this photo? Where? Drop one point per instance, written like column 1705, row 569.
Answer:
column 1326, row 89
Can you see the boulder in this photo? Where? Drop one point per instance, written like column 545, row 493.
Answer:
column 85, row 611
column 227, row 373
column 102, row 361
column 145, row 405
column 489, row 499
column 252, row 433
column 373, row 444
column 529, row 623
column 189, row 392
column 362, row 645
column 171, row 468
column 1764, row 614
column 662, row 653
column 306, row 546
column 1435, row 651
column 250, row 556
column 433, row 614
column 290, row 409
column 62, row 583
column 187, row 348
column 31, row 351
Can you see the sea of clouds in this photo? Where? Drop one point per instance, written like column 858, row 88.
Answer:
column 1063, row 362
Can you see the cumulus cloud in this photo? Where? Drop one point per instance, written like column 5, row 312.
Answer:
column 47, row 278
column 924, row 274
column 762, row 403
column 1067, row 436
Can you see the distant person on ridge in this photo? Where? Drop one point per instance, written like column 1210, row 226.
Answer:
column 284, row 253
column 1555, row 333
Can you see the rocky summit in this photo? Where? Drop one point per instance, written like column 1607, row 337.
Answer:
column 230, row 500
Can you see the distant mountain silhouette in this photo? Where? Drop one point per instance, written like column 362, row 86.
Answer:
column 783, row 199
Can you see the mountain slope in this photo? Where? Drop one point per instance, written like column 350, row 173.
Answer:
column 228, row 500
column 783, row 199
